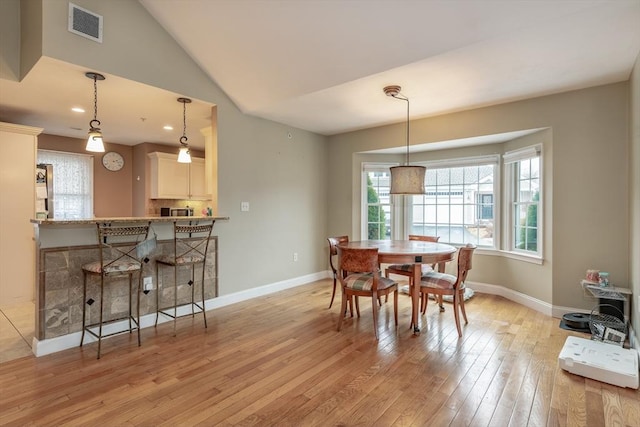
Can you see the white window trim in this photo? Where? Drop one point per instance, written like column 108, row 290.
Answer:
column 364, row 220
column 509, row 158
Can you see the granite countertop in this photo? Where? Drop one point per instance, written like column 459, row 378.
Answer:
column 124, row 219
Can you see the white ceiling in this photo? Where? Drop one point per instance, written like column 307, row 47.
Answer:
column 321, row 65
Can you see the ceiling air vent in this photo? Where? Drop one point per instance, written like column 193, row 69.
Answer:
column 85, row 23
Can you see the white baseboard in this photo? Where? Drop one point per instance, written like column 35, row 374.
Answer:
column 52, row 345
column 515, row 296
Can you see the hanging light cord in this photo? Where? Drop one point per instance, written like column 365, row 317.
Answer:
column 95, row 103
column 400, row 96
column 183, row 138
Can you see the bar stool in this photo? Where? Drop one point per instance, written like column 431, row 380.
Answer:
column 190, row 245
column 118, row 258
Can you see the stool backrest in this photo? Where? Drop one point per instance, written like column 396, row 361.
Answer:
column 191, row 240
column 118, row 244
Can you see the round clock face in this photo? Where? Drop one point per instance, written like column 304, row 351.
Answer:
column 112, row 161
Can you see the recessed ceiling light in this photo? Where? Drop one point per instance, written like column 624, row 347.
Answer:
column 167, row 127
column 78, row 109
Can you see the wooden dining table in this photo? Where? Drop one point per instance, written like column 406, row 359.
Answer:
column 414, row 252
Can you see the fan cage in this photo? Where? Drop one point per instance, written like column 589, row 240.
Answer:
column 606, row 327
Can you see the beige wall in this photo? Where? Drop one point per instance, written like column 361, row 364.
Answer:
column 586, row 185
column 634, row 194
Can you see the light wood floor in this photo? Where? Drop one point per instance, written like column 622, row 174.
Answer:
column 278, row 360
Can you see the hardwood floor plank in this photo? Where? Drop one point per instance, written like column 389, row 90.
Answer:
column 278, row 360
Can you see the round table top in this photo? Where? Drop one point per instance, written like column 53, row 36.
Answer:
column 404, row 247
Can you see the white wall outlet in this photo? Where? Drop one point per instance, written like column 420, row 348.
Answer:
column 244, row 206
column 147, row 283
column 295, row 256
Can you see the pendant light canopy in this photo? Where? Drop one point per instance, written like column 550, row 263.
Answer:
column 405, row 179
column 94, row 142
column 184, row 155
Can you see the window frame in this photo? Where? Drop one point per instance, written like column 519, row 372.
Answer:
column 510, row 160
column 475, row 161
column 364, row 217
column 57, row 197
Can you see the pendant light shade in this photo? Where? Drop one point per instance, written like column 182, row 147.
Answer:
column 94, row 142
column 405, row 179
column 184, row 155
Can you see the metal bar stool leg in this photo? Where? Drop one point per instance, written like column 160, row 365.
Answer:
column 101, row 314
column 175, row 299
column 204, row 312
column 157, row 292
column 84, row 306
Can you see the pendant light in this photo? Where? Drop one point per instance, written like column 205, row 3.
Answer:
column 94, row 142
column 184, row 155
column 405, row 179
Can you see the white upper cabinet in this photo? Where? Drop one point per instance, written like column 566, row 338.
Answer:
column 173, row 180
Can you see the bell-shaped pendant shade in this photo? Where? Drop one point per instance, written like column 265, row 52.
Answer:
column 184, row 156
column 407, row 179
column 94, row 142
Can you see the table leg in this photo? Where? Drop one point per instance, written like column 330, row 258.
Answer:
column 415, row 297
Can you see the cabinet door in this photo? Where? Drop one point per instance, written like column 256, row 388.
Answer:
column 197, row 182
column 169, row 179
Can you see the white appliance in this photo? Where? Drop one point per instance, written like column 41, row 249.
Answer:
column 600, row 361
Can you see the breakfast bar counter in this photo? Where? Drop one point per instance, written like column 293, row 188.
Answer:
column 64, row 246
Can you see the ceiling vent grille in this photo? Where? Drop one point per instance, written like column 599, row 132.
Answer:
column 85, row 23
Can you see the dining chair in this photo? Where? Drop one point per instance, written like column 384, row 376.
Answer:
column 359, row 275
column 442, row 284
column 407, row 269
column 333, row 251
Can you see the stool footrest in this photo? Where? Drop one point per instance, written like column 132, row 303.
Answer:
column 166, row 313
column 87, row 328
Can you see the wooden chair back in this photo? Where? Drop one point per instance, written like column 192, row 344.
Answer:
column 433, row 239
column 465, row 255
column 333, row 249
column 358, row 260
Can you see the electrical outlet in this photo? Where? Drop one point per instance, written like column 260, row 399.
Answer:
column 147, row 283
column 244, row 206
column 295, row 256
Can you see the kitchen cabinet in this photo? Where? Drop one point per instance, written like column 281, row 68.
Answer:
column 172, row 180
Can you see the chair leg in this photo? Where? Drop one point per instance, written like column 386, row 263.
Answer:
column 355, row 297
column 395, row 306
column 456, row 303
column 84, row 306
column 333, row 294
column 130, row 302
column 175, row 299
column 343, row 308
column 101, row 305
column 350, row 307
column 440, row 304
column 204, row 312
column 157, row 292
column 424, row 300
column 461, row 301
column 138, row 305
column 374, row 310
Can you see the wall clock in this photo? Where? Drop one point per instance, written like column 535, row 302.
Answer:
column 113, row 161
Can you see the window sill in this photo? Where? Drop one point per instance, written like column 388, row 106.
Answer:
column 533, row 259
